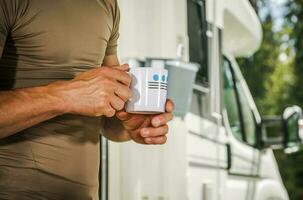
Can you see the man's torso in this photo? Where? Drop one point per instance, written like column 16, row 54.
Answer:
column 50, row 41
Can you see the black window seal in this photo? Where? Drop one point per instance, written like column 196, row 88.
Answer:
column 240, row 111
column 204, row 43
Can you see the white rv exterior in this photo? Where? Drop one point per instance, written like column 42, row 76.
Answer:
column 194, row 164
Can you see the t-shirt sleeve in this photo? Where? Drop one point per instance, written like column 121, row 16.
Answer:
column 113, row 41
column 4, row 22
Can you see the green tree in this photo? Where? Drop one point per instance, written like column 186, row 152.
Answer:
column 294, row 163
column 276, row 84
column 263, row 69
column 294, row 22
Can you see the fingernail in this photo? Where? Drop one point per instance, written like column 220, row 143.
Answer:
column 144, row 132
column 148, row 140
column 156, row 122
column 121, row 114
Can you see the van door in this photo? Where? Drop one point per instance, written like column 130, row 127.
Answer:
column 202, row 150
column 203, row 127
column 240, row 122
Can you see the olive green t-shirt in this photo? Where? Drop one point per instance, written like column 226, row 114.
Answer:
column 46, row 41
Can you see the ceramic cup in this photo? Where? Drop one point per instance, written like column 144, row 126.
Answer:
column 149, row 90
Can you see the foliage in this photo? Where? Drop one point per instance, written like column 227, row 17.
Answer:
column 269, row 79
column 294, row 17
column 277, row 83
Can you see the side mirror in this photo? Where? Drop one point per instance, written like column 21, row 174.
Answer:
column 282, row 132
column 272, row 135
column 292, row 117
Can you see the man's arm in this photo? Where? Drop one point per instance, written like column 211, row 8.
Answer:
column 90, row 94
column 21, row 109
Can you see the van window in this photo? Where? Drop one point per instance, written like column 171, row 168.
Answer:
column 231, row 103
column 196, row 103
column 240, row 115
column 249, row 123
column 198, row 40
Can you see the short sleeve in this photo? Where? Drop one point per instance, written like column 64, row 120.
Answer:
column 4, row 22
column 113, row 41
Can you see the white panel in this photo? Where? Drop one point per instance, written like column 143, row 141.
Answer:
column 236, row 189
column 268, row 163
column 114, row 165
column 152, row 28
column 202, row 184
column 242, row 29
column 215, row 12
column 270, row 189
column 210, row 11
column 203, row 157
column 155, row 172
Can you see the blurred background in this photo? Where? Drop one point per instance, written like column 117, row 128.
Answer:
column 204, row 30
column 275, row 74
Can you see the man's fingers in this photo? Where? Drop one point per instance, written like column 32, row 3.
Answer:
column 110, row 111
column 156, row 140
column 122, row 115
column 124, row 67
column 131, row 121
column 117, row 73
column 123, row 92
column 136, row 121
column 154, row 132
column 170, row 106
column 123, row 77
column 162, row 119
column 117, row 103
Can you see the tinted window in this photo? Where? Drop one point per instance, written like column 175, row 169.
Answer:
column 240, row 115
column 249, row 124
column 197, row 27
column 196, row 103
column 231, row 103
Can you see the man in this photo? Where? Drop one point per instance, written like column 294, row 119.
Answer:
column 53, row 93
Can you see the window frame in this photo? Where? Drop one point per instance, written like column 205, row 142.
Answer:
column 201, row 7
column 240, row 109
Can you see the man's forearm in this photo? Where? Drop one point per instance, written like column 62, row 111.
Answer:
column 114, row 130
column 23, row 108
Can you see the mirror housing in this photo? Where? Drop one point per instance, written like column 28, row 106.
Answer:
column 291, row 118
column 282, row 132
column 272, row 135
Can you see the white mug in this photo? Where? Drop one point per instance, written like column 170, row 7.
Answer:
column 149, row 90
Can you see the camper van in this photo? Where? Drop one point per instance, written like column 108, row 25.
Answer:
column 220, row 148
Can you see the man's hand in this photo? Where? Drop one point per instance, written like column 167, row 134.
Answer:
column 147, row 129
column 98, row 92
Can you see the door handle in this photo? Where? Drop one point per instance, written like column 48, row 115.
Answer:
column 229, row 156
column 207, row 191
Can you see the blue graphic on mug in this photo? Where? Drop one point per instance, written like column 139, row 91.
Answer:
column 156, row 77
column 157, row 83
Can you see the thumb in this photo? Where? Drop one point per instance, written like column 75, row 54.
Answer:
column 124, row 67
column 122, row 115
